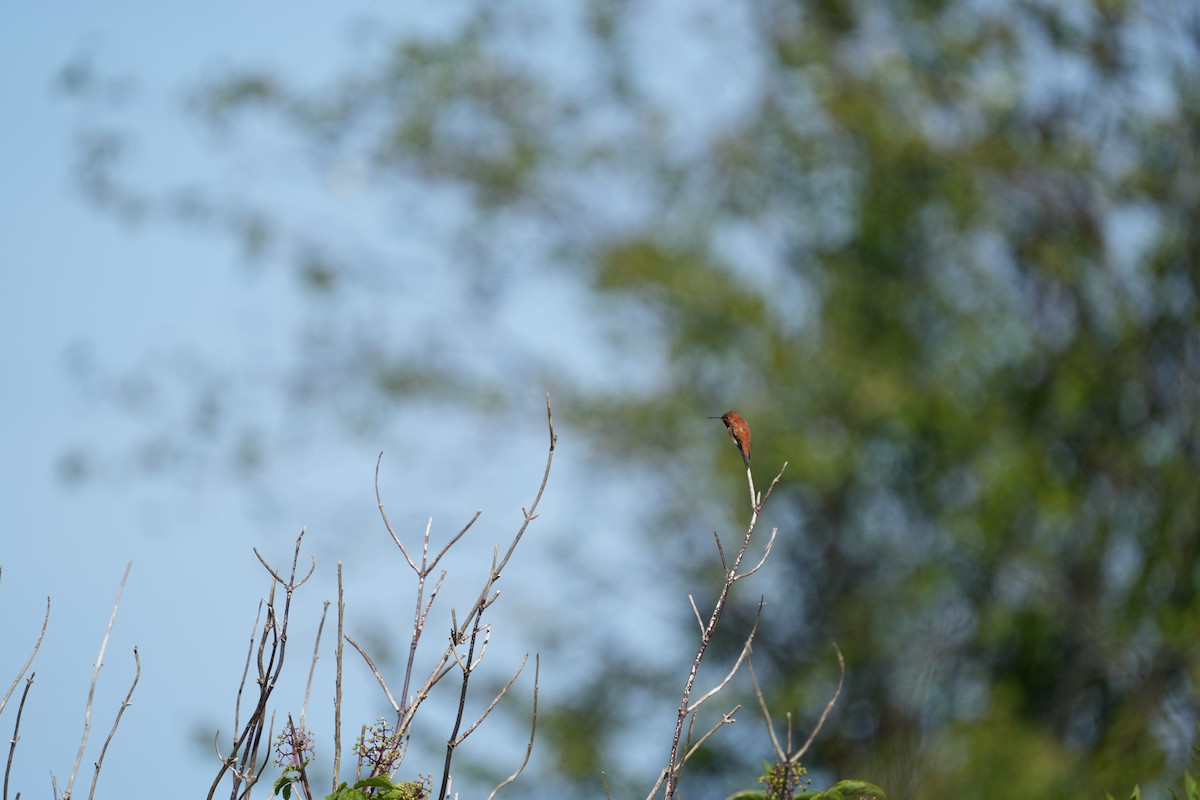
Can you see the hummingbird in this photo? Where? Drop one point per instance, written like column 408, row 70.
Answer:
column 739, row 431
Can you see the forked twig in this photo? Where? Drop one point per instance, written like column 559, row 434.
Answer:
column 783, row 755
column 736, row 664
column 766, row 553
column 726, row 719
column 12, row 746
column 126, row 703
column 674, row 766
column 504, row 689
column 243, row 761
column 87, row 714
column 465, row 632
column 453, row 741
column 828, row 706
column 375, row 671
column 780, row 755
column 696, row 611
column 537, row 669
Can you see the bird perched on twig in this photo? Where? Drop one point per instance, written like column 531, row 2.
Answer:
column 739, row 431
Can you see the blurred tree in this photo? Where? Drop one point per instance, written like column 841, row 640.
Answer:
column 942, row 255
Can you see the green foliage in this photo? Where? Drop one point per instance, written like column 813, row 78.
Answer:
column 846, row 790
column 380, row 787
column 1191, row 787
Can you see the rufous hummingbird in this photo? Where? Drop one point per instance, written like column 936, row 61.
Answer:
column 739, row 431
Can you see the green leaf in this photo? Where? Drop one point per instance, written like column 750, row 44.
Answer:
column 345, row 792
column 856, row 790
column 283, row 784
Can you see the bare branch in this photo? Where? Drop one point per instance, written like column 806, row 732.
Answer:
column 766, row 553
column 462, row 738
column 454, row 540
column 12, row 745
column 828, row 706
column 662, row 776
column 288, row 584
column 422, row 571
column 337, row 685
column 726, row 719
column 696, row 611
column 375, row 671
column 721, row 552
column 530, row 515
column 422, row 611
column 36, row 647
column 780, row 755
column 755, row 504
column 771, row 488
column 674, row 763
column 87, row 714
column 126, row 703
column 313, row 666
column 487, row 637
column 537, row 668
column 242, row 761
column 733, row 670
column 452, row 742
column 387, row 524
column 237, row 703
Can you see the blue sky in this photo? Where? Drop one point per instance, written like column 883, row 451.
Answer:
column 91, row 306
column 84, row 298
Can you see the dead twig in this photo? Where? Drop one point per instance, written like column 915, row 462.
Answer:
column 37, row 646
column 313, row 666
column 467, row 670
column 87, row 714
column 828, row 706
column 687, row 709
column 375, row 671
column 537, row 668
column 243, row 759
column 785, row 755
column 726, row 719
column 503, row 690
column 736, row 664
column 469, row 630
column 126, row 703
column 337, row 690
column 16, row 737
